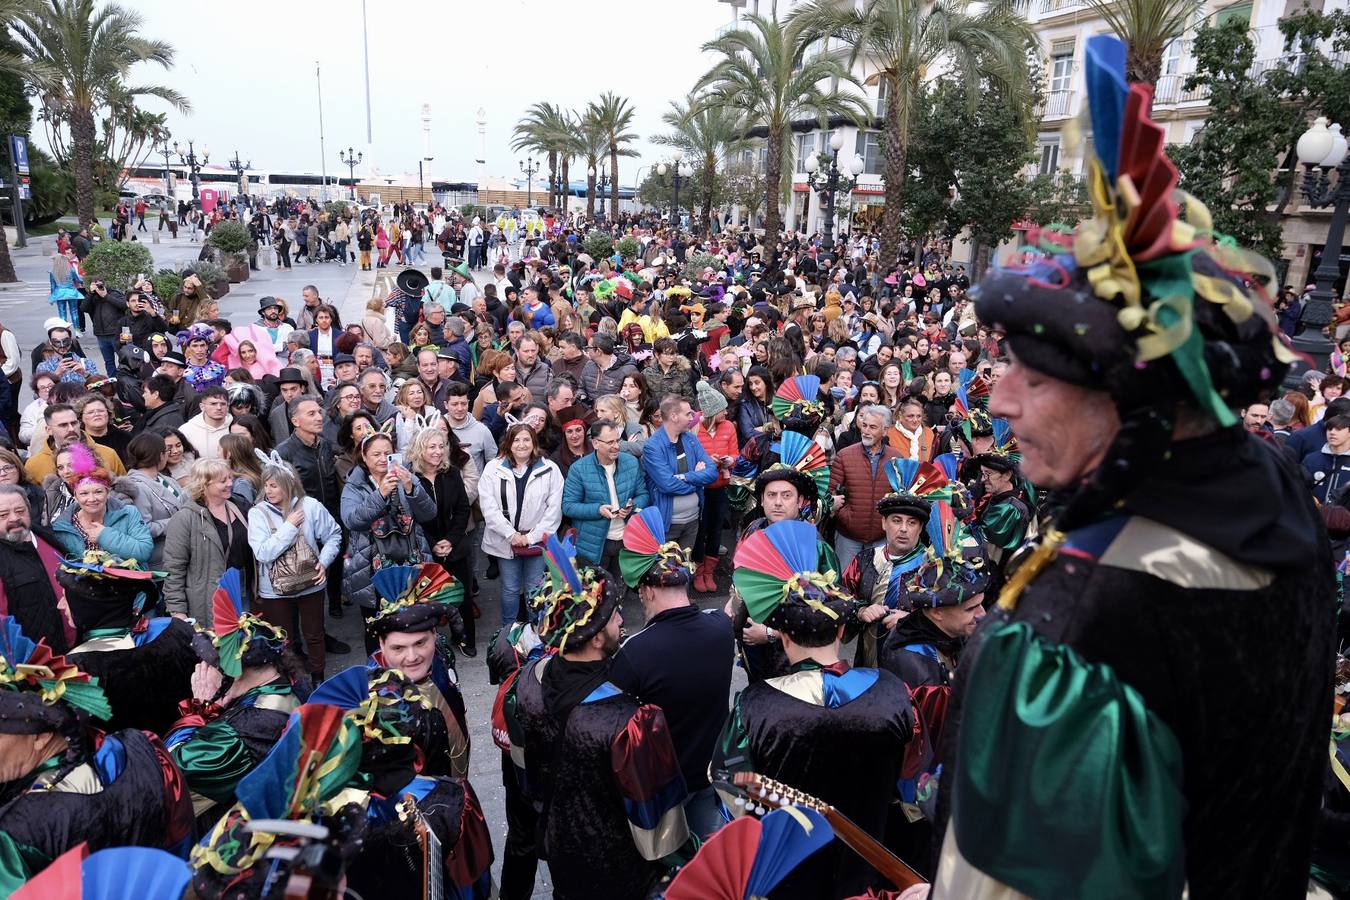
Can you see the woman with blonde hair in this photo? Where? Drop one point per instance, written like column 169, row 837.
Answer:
column 613, row 408
column 374, row 324
column 413, row 407
column 204, row 538
column 65, row 290
column 283, row 517
column 436, row 459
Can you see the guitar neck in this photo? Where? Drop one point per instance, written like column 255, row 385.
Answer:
column 435, row 863
column 892, row 867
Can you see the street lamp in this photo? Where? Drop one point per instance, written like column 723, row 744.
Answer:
column 601, row 185
column 239, row 168
column 350, row 160
column 529, row 167
column 679, row 170
column 830, row 182
column 165, row 149
column 420, row 197
column 1322, row 150
column 194, row 164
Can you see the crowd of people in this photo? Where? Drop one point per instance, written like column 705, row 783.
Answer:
column 1075, row 554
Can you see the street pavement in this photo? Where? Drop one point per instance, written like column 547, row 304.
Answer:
column 23, row 308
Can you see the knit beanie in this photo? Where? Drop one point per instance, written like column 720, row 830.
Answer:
column 710, row 401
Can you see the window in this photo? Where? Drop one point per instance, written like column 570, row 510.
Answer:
column 1171, row 59
column 1047, row 153
column 1061, row 66
column 868, row 147
column 1242, row 12
column 805, row 146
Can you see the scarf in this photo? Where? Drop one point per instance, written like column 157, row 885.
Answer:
column 914, row 437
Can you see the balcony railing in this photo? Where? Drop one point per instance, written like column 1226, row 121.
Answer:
column 1054, row 7
column 1058, row 105
column 1171, row 91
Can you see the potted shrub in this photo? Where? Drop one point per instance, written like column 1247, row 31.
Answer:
column 697, row 262
column 117, row 262
column 598, row 245
column 628, row 248
column 212, row 275
column 167, row 282
column 232, row 241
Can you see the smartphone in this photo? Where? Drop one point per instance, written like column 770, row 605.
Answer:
column 126, row 334
column 396, row 459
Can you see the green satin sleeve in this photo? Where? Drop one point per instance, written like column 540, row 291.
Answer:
column 829, row 560
column 214, row 760
column 1066, row 784
column 732, row 750
column 1003, row 525
column 18, row 863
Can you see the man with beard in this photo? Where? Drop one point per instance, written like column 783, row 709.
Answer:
column 28, row 557
column 269, row 317
column 600, row 768
column 835, row 732
column 875, row 576
column 62, row 780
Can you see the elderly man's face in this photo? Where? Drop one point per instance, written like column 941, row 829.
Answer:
column 365, row 358
column 15, row 519
column 911, row 416
column 563, row 399
column 372, row 391
column 427, row 365
column 1057, row 449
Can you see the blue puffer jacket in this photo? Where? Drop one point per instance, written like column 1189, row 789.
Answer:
column 124, row 535
column 585, row 490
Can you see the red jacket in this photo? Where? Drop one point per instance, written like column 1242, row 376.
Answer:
column 858, row 517
column 718, row 444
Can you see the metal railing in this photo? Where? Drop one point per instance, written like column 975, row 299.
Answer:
column 1054, row 7
column 1057, row 105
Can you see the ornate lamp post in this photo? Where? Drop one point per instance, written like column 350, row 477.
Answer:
column 601, row 186
column 240, row 168
column 679, row 170
column 1322, row 151
column 194, row 164
column 350, row 159
column 165, row 149
column 529, row 167
column 830, row 182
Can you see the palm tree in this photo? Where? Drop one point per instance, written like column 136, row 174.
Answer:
column 904, row 39
column 1146, row 27
column 593, row 145
column 543, row 131
column 707, row 133
column 763, row 74
column 614, row 116
column 77, row 55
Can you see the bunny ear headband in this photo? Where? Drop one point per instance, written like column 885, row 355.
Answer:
column 386, row 430
column 430, row 418
column 272, row 459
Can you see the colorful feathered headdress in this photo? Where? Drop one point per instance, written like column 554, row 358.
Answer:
column 317, row 756
column 914, row 487
column 1144, row 300
column 114, row 873
column 242, row 639
column 414, row 598
column 749, row 857
column 778, row 575
column 970, row 410
column 197, row 332
column 580, row 600
column 646, row 557
column 797, row 404
column 1004, row 454
column 104, row 591
column 39, row 688
column 85, row 467
column 954, row 569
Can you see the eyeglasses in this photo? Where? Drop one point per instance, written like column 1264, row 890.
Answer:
column 8, row 470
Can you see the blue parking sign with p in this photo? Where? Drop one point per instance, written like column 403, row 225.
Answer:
column 18, row 146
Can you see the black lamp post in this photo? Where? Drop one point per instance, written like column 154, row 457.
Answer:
column 563, row 189
column 529, row 167
column 601, row 178
column 194, row 164
column 240, row 167
column 679, row 170
column 830, row 182
column 1322, row 152
column 350, row 159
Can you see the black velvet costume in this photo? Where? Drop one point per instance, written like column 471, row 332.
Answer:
column 1175, row 632
column 847, row 755
column 146, row 676
column 125, row 792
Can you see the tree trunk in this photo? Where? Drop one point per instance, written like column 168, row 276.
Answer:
column 1143, row 65
column 552, row 174
column 590, row 190
column 563, row 187
column 6, row 263
column 613, row 182
column 709, row 178
column 773, row 175
column 82, row 155
column 894, row 179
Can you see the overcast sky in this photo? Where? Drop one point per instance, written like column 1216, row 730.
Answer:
column 247, row 66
